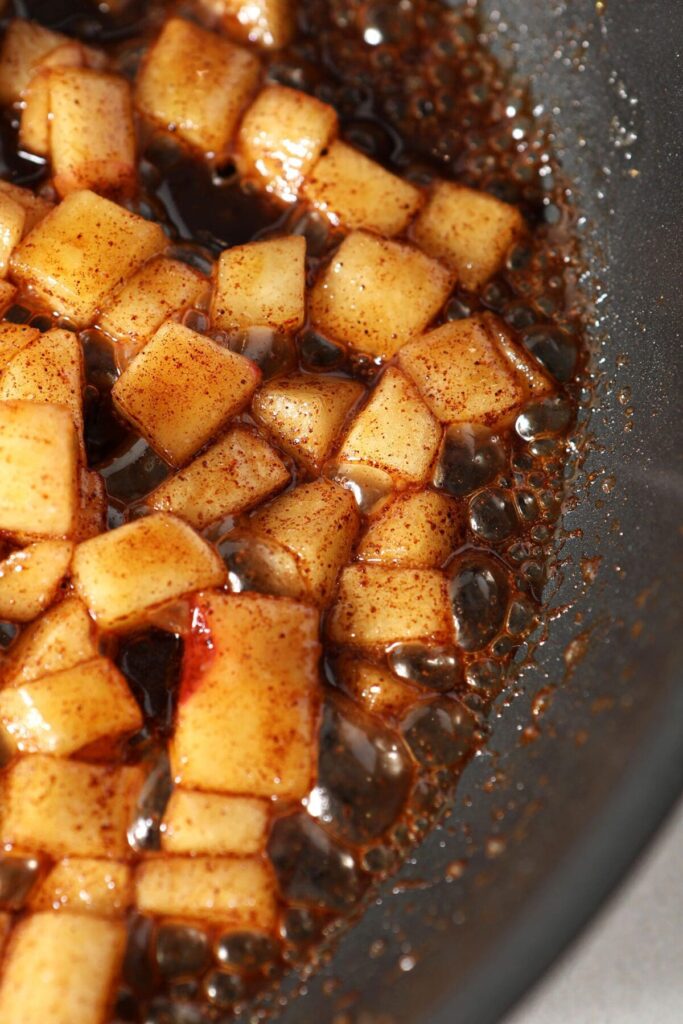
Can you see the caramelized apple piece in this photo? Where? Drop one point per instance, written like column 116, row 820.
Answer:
column 162, row 288
column 316, row 525
column 267, row 23
column 63, row 637
column 7, row 293
column 61, row 968
column 68, row 809
column 377, row 689
column 376, row 605
column 92, row 136
column 196, row 85
column 38, row 463
column 92, row 516
column 470, row 372
column 417, row 530
column 48, row 369
column 35, row 207
column 82, row 884
column 34, row 123
column 376, row 294
column 29, row 579
column 12, row 218
column 233, row 892
column 69, row 710
column 261, row 284
column 250, row 678
column 234, row 474
column 81, row 251
column 24, row 48
column 395, row 432
column 124, row 574
column 181, row 389
column 469, row 230
column 13, row 337
column 304, row 413
column 354, row 192
column 211, row 823
column 281, row 137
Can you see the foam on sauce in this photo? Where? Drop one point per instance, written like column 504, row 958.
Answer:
column 416, row 90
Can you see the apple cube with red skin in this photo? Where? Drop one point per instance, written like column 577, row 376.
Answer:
column 249, row 697
column 196, row 84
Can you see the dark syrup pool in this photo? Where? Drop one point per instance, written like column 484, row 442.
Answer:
column 417, row 90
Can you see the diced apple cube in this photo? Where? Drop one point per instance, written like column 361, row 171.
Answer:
column 233, row 892
column 38, row 470
column 210, row 823
column 7, row 293
column 182, row 388
column 34, row 206
column 63, row 637
column 29, row 579
column 376, row 294
column 92, row 516
column 267, row 23
column 13, row 337
column 82, row 884
column 84, row 249
column 66, row 808
column 24, row 48
column 69, row 710
column 261, row 284
column 234, row 474
column 161, row 289
column 249, row 696
column 469, row 230
column 355, row 192
column 48, row 369
column 395, row 432
column 466, row 375
column 34, row 125
column 418, row 530
column 126, row 573
column 12, row 218
column 61, row 968
column 382, row 606
column 195, row 84
column 92, row 136
column 377, row 689
column 281, row 137
column 305, row 413
column 316, row 524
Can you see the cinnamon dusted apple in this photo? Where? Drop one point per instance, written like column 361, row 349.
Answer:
column 268, row 23
column 211, row 823
column 103, row 888
column 62, row 637
column 418, row 529
column 261, row 284
column 30, row 578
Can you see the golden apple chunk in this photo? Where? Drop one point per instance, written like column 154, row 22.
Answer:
column 249, row 697
column 34, row 123
column 210, row 823
column 24, row 48
column 195, row 84
column 68, row 710
column 125, row 574
column 395, row 432
column 61, row 969
column 181, row 388
column 13, row 337
column 376, row 688
column 234, row 892
column 376, row 294
column 469, row 371
column 310, row 531
column 81, row 251
column 161, row 289
column 234, row 474
column 68, row 809
column 64, row 636
column 418, row 530
column 355, row 192
column 92, row 135
column 12, row 219
column 267, row 23
column 35, row 207
column 281, row 137
column 304, row 413
column 29, row 579
column 86, row 885
column 38, row 470
column 469, row 230
column 261, row 284
column 377, row 605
